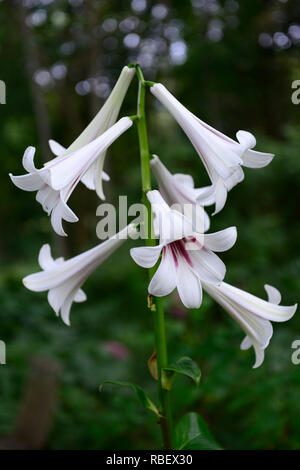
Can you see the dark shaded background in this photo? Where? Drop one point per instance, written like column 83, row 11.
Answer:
column 232, row 63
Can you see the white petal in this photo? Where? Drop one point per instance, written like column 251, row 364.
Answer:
column 209, row 267
column 80, row 296
column 220, row 196
column 186, row 180
column 58, row 295
column 61, row 212
column 236, row 177
column 56, row 148
column 155, row 199
column 37, row 282
column 28, row 160
column 48, row 198
column 171, row 224
column 109, row 112
column 206, row 195
column 65, row 309
column 222, row 240
column 257, row 306
column 88, row 178
column 105, row 176
column 258, row 330
column 197, row 215
column 259, row 356
column 274, row 295
column 28, row 182
column 213, row 148
column 45, row 258
column 253, row 159
column 246, row 139
column 73, row 166
column 206, row 221
column 175, row 189
column 146, row 256
column 56, row 220
column 246, row 343
column 188, row 286
column 98, row 178
column 164, row 280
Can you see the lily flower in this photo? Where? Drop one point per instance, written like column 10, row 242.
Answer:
column 56, row 181
column 63, row 279
column 105, row 118
column 178, row 189
column 221, row 156
column 254, row 315
column 188, row 257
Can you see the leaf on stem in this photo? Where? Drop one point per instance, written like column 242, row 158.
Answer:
column 184, row 366
column 142, row 396
column 192, row 433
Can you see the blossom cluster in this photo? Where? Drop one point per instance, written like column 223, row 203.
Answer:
column 186, row 254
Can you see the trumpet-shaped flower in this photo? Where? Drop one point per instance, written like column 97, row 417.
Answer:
column 221, row 156
column 105, row 118
column 253, row 314
column 63, row 279
column 56, row 181
column 179, row 189
column 188, row 257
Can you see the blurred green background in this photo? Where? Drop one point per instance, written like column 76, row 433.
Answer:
column 230, row 62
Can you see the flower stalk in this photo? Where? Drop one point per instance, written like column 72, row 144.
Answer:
column 156, row 303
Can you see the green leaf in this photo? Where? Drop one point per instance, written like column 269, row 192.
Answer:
column 142, row 396
column 184, row 366
column 192, row 433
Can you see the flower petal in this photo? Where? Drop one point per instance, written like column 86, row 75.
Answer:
column 28, row 160
column 164, row 280
column 220, row 196
column 28, row 182
column 209, row 267
column 56, row 148
column 146, row 256
column 80, row 296
column 186, row 180
column 274, row 295
column 246, row 139
column 235, row 178
column 188, row 286
column 222, row 240
column 69, row 168
column 48, row 198
column 254, row 159
column 257, row 306
column 45, row 258
column 258, row 330
column 171, row 224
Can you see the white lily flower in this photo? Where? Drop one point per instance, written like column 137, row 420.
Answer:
column 221, row 156
column 56, row 181
column 105, row 118
column 188, row 257
column 63, row 279
column 179, row 189
column 253, row 314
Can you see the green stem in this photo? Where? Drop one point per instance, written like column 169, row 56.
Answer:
column 156, row 304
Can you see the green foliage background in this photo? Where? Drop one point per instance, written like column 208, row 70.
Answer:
column 230, row 81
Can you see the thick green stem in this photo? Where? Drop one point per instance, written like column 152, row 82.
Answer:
column 156, row 304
